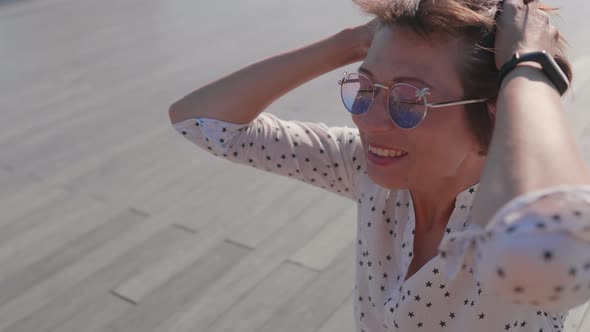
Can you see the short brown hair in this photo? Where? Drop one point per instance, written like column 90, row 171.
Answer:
column 474, row 22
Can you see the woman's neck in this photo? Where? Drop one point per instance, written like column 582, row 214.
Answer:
column 434, row 204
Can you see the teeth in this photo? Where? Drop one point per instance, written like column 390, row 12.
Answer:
column 386, row 152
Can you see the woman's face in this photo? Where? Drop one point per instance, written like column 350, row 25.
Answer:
column 443, row 146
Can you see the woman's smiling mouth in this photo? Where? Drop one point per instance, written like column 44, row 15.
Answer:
column 384, row 157
column 383, row 152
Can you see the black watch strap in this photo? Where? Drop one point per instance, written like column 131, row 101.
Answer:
column 550, row 68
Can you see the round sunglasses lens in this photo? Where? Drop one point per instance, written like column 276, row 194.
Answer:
column 357, row 93
column 406, row 106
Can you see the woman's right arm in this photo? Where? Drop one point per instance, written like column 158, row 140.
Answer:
column 226, row 119
column 236, row 99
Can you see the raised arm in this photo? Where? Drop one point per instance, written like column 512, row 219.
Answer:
column 274, row 77
column 531, row 213
column 533, row 146
column 235, row 128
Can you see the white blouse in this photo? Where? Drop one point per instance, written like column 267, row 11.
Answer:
column 523, row 272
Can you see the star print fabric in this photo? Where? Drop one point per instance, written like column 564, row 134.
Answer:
column 459, row 289
column 329, row 158
column 534, row 251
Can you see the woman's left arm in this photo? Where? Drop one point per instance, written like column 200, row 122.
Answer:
column 534, row 243
column 533, row 146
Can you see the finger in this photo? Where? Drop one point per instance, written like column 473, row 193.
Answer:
column 508, row 10
column 543, row 15
column 513, row 5
column 554, row 32
column 535, row 11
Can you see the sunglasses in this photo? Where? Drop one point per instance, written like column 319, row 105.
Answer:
column 407, row 105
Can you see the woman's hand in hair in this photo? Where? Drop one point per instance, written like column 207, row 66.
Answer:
column 523, row 26
column 360, row 37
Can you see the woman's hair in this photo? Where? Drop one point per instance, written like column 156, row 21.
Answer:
column 473, row 21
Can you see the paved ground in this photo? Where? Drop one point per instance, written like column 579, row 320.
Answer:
column 111, row 221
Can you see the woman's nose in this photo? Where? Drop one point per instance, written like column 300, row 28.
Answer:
column 376, row 118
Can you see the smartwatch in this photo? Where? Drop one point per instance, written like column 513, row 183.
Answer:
column 550, row 68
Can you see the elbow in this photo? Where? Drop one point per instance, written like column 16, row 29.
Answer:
column 545, row 270
column 174, row 112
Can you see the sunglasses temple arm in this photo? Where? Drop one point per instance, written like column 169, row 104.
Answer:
column 455, row 103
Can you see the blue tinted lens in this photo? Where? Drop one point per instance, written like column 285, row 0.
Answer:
column 406, row 116
column 357, row 93
column 406, row 107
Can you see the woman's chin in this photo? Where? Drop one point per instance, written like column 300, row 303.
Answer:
column 387, row 181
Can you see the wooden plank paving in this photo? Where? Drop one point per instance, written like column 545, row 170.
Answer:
column 55, row 299
column 111, row 221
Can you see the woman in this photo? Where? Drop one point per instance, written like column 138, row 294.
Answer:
column 432, row 254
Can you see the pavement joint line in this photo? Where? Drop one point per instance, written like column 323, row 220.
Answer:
column 299, row 264
column 184, row 228
column 139, row 212
column 123, row 297
column 230, row 241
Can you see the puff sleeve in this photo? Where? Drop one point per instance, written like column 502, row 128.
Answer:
column 535, row 250
column 326, row 157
